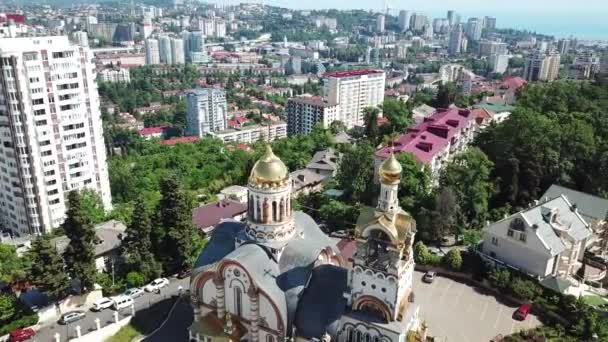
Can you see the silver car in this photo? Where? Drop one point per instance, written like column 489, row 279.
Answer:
column 72, row 316
column 134, row 292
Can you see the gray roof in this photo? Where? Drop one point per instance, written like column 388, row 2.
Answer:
column 322, row 304
column 109, row 237
column 304, row 178
column 590, row 206
column 324, row 160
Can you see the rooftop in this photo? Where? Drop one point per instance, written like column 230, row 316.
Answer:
column 310, row 100
column 108, row 236
column 152, row 130
column 179, row 140
column 212, row 214
column 352, row 73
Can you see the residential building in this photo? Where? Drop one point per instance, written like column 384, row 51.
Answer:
column 152, row 51
column 435, row 140
column 114, row 75
column 593, row 209
column 418, row 21
column 81, row 38
column 252, row 133
column 152, row 132
column 474, row 28
column 165, row 50
column 421, row 112
column 330, row 23
column 451, row 18
column 51, row 131
column 542, row 66
column 489, row 48
column 489, row 23
column 207, row 111
column 234, row 192
column 305, row 112
column 563, row 46
column 455, row 42
column 206, row 217
column 108, row 238
column 380, row 20
column 404, row 20
column 177, row 51
column 546, row 240
column 302, row 271
column 325, row 163
column 219, row 29
column 441, row 25
column 585, row 66
column 305, row 182
column 353, row 91
column 499, row 63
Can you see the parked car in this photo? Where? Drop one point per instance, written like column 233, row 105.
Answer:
column 522, row 312
column 121, row 302
column 135, row 292
column 156, row 284
column 102, row 303
column 429, row 277
column 72, row 316
column 19, row 335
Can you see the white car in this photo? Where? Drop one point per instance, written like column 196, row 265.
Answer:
column 102, row 303
column 135, row 292
column 157, row 284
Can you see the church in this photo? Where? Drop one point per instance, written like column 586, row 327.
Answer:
column 278, row 277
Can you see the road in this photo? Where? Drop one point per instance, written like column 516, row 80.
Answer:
column 458, row 312
column 47, row 332
column 176, row 327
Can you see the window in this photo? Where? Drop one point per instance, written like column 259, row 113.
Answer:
column 510, row 233
column 37, row 101
column 269, row 338
column 41, row 123
column 522, row 237
column 494, row 241
column 238, row 294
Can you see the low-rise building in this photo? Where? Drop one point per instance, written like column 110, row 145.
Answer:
column 547, row 240
column 592, row 208
column 152, row 132
column 252, row 133
column 306, row 181
column 206, row 217
column 120, row 75
column 325, row 163
column 234, row 192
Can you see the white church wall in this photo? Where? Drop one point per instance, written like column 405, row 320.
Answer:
column 351, row 328
column 236, row 283
column 209, row 292
column 268, row 314
column 374, row 284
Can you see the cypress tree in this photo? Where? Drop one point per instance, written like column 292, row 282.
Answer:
column 79, row 255
column 176, row 249
column 137, row 245
column 46, row 270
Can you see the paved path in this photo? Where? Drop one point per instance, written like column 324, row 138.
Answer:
column 47, row 332
column 458, row 312
column 176, row 327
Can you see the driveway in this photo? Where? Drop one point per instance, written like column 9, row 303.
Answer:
column 458, row 312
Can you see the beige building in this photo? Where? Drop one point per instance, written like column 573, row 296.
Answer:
column 305, row 112
column 542, row 66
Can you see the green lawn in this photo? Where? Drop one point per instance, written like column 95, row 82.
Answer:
column 594, row 300
column 125, row 334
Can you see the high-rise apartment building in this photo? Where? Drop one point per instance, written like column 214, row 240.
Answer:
column 489, row 23
column 380, row 20
column 81, row 38
column 418, row 22
column 164, row 43
column 177, row 51
column 305, row 112
column 207, row 111
column 194, row 46
column 474, row 28
column 455, row 42
column 499, row 63
column 354, row 91
column 404, row 20
column 542, row 66
column 563, row 46
column 451, row 16
column 488, row 48
column 152, row 51
column 51, row 131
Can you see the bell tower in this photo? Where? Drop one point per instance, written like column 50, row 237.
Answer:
column 390, row 176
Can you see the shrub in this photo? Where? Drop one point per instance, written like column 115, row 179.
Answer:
column 135, row 279
column 421, row 253
column 25, row 321
column 524, row 289
column 500, row 278
column 452, row 260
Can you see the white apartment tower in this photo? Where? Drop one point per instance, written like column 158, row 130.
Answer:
column 177, row 51
column 152, row 51
column 305, row 112
column 207, row 111
column 51, row 131
column 353, row 91
column 164, row 45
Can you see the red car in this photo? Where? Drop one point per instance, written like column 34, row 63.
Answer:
column 20, row 335
column 522, row 312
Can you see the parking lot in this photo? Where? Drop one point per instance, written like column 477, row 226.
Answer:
column 456, row 311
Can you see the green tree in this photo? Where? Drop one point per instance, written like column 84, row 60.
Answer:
column 79, row 254
column 136, row 247
column 500, row 278
column 372, row 130
column 92, row 206
column 469, row 176
column 452, row 260
column 47, row 271
column 8, row 307
column 12, row 267
column 338, row 215
column 524, row 289
column 176, row 246
column 356, row 173
column 397, row 113
column 446, row 95
column 135, row 279
column 415, row 182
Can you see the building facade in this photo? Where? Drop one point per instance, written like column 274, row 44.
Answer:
column 269, row 278
column 207, row 111
column 542, row 66
column 152, row 51
column 353, row 91
column 51, row 131
column 304, row 113
column 119, row 75
column 253, row 133
column 455, row 42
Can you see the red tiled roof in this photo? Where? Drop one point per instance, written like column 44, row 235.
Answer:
column 179, row 140
column 152, row 130
column 212, row 214
column 351, row 73
column 430, row 136
column 512, row 82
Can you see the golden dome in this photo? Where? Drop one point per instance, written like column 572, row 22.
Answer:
column 269, row 169
column 390, row 170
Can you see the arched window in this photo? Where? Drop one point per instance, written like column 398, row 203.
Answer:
column 350, row 335
column 238, row 301
column 269, row 338
column 275, row 211
column 359, row 336
column 282, row 209
column 251, row 213
column 376, row 339
column 258, row 209
column 368, row 338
